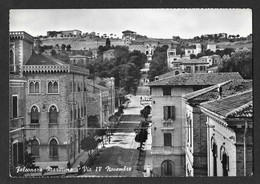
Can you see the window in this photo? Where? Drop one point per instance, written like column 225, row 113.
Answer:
column 177, row 72
column 53, row 86
column 201, row 68
column 196, row 68
column 188, row 69
column 71, row 87
column 71, row 115
column 34, row 86
column 167, row 139
column 53, row 148
column 15, row 106
column 169, row 112
column 53, row 115
column 35, row 147
column 166, row 91
column 34, row 114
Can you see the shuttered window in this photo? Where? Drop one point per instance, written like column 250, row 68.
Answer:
column 166, row 91
column 15, row 106
column 169, row 112
column 167, row 139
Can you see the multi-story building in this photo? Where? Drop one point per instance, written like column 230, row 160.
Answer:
column 212, row 47
column 168, row 117
column 78, row 59
column 193, row 49
column 196, row 132
column 128, row 36
column 212, row 60
column 20, row 49
column 55, row 110
column 230, row 135
column 172, row 57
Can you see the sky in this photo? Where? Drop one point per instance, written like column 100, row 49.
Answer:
column 155, row 23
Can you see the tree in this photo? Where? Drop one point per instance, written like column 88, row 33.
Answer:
column 68, row 47
column 29, row 160
column 192, row 56
column 63, row 46
column 53, row 53
column 239, row 62
column 107, row 43
column 88, row 143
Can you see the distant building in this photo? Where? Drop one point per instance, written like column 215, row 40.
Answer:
column 211, row 60
column 212, row 47
column 168, row 117
column 64, row 34
column 128, row 36
column 172, row 57
column 109, row 54
column 78, row 59
column 193, row 49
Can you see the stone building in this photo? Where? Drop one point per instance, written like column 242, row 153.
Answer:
column 55, row 110
column 168, row 118
column 193, row 49
column 196, row 127
column 20, row 49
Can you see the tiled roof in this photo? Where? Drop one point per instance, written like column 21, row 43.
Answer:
column 230, row 87
column 168, row 74
column 238, row 105
column 40, row 59
column 196, row 79
column 191, row 61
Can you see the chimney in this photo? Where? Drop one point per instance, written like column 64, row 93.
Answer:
column 219, row 92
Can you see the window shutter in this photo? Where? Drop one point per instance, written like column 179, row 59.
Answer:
column 167, row 139
column 173, row 112
column 165, row 112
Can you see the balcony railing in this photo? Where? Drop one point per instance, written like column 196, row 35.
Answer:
column 16, row 123
column 167, row 123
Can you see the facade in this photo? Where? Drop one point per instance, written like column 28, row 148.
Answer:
column 78, row 60
column 168, row 118
column 128, row 36
column 64, row 34
column 55, row 110
column 196, row 150
column 212, row 60
column 194, row 49
column 172, row 57
column 212, row 47
column 20, row 49
column 109, row 54
column 230, row 142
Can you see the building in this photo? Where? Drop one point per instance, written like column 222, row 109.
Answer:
column 212, row 60
column 168, row 118
column 78, row 60
column 230, row 142
column 193, row 65
column 20, row 49
column 64, row 34
column 196, row 149
column 212, row 47
column 109, row 54
column 55, row 110
column 128, row 36
column 193, row 49
column 172, row 57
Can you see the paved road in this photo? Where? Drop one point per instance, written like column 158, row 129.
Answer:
column 119, row 157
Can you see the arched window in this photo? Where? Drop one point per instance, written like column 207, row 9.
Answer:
column 53, row 87
column 34, row 114
column 34, row 86
column 224, row 160
column 53, row 148
column 53, row 115
column 167, row 168
column 35, row 147
column 214, row 149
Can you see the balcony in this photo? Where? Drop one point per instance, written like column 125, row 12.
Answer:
column 16, row 123
column 168, row 123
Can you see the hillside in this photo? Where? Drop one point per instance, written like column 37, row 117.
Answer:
column 81, row 44
column 235, row 45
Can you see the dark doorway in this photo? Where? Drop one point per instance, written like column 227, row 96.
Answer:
column 167, row 168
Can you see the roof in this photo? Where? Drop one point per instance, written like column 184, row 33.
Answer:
column 191, row 61
column 196, row 79
column 238, row 105
column 41, row 59
column 78, row 56
column 128, row 31
column 230, row 87
column 168, row 74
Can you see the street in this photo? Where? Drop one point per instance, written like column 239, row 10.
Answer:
column 120, row 156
